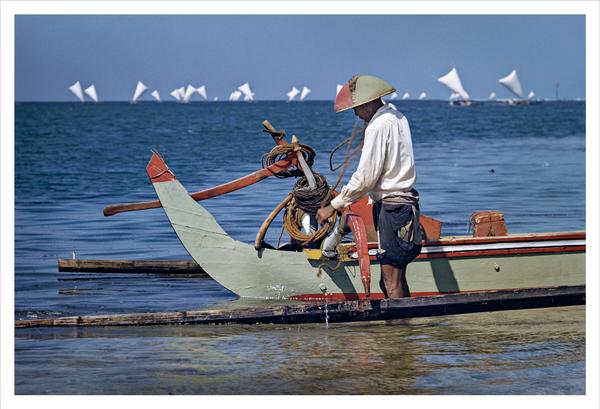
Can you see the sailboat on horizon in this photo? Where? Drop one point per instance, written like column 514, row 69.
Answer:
column 452, row 81
column 140, row 89
column 246, row 90
column 91, row 92
column 512, row 83
column 292, row 94
column 76, row 90
column 305, row 92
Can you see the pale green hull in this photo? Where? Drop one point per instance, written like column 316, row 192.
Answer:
column 273, row 274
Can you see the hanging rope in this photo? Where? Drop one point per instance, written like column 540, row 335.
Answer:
column 349, row 154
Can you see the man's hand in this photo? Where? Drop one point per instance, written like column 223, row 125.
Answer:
column 325, row 213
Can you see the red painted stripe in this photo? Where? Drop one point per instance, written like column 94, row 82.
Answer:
column 502, row 239
column 503, row 252
column 498, row 252
column 375, row 296
column 511, row 239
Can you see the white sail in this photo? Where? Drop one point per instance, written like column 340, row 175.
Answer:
column 175, row 94
column 189, row 91
column 235, row 95
column 422, row 95
column 247, row 91
column 76, row 90
column 452, row 81
column 91, row 92
column 156, row 95
column 454, row 96
column 202, row 92
column 292, row 94
column 406, row 95
column 338, row 89
column 215, row 98
column 305, row 92
column 394, row 96
column 512, row 83
column 140, row 88
column 492, row 95
column 531, row 95
column 181, row 92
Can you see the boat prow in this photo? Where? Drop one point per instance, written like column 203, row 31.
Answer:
column 449, row 265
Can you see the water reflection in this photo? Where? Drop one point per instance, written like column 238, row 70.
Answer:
column 508, row 352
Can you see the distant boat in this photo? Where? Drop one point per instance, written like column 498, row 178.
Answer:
column 292, row 93
column 91, row 92
column 492, row 95
column 189, row 91
column 338, row 89
column 76, row 90
column 156, row 95
column 394, row 96
column 531, row 95
column 140, row 88
column 175, row 94
column 305, row 92
column 235, row 95
column 512, row 83
column 247, row 91
column 406, row 95
column 202, row 92
column 452, row 81
column 181, row 92
column 422, row 95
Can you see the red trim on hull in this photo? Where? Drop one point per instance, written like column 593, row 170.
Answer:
column 375, row 296
column 504, row 239
column 503, row 252
column 497, row 252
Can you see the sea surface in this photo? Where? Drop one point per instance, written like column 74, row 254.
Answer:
column 71, row 160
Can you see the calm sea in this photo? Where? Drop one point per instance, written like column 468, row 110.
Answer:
column 71, row 160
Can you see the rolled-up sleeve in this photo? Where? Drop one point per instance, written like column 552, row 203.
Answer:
column 369, row 168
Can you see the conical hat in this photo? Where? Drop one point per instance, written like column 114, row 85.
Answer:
column 360, row 90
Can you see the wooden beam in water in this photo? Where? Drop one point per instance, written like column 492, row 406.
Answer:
column 189, row 267
column 360, row 310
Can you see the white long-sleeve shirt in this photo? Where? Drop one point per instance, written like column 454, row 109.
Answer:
column 387, row 163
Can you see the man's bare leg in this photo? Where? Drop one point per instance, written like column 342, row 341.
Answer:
column 394, row 280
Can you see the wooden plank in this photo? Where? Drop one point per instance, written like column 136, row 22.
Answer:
column 189, row 267
column 360, row 310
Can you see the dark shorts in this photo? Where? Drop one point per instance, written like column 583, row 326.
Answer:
column 388, row 220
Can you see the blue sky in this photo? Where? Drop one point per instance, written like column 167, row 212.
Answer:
column 275, row 53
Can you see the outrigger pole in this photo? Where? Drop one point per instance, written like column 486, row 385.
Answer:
column 282, row 165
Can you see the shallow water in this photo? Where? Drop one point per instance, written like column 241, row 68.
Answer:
column 71, row 160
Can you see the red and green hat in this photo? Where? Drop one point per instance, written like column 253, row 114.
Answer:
column 360, row 90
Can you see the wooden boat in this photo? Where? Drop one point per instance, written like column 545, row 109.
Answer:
column 449, row 265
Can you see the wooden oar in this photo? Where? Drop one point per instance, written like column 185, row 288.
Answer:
column 279, row 166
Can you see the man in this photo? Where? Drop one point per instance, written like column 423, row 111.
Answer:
column 386, row 172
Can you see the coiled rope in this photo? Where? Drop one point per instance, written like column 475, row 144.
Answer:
column 307, row 201
column 279, row 152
